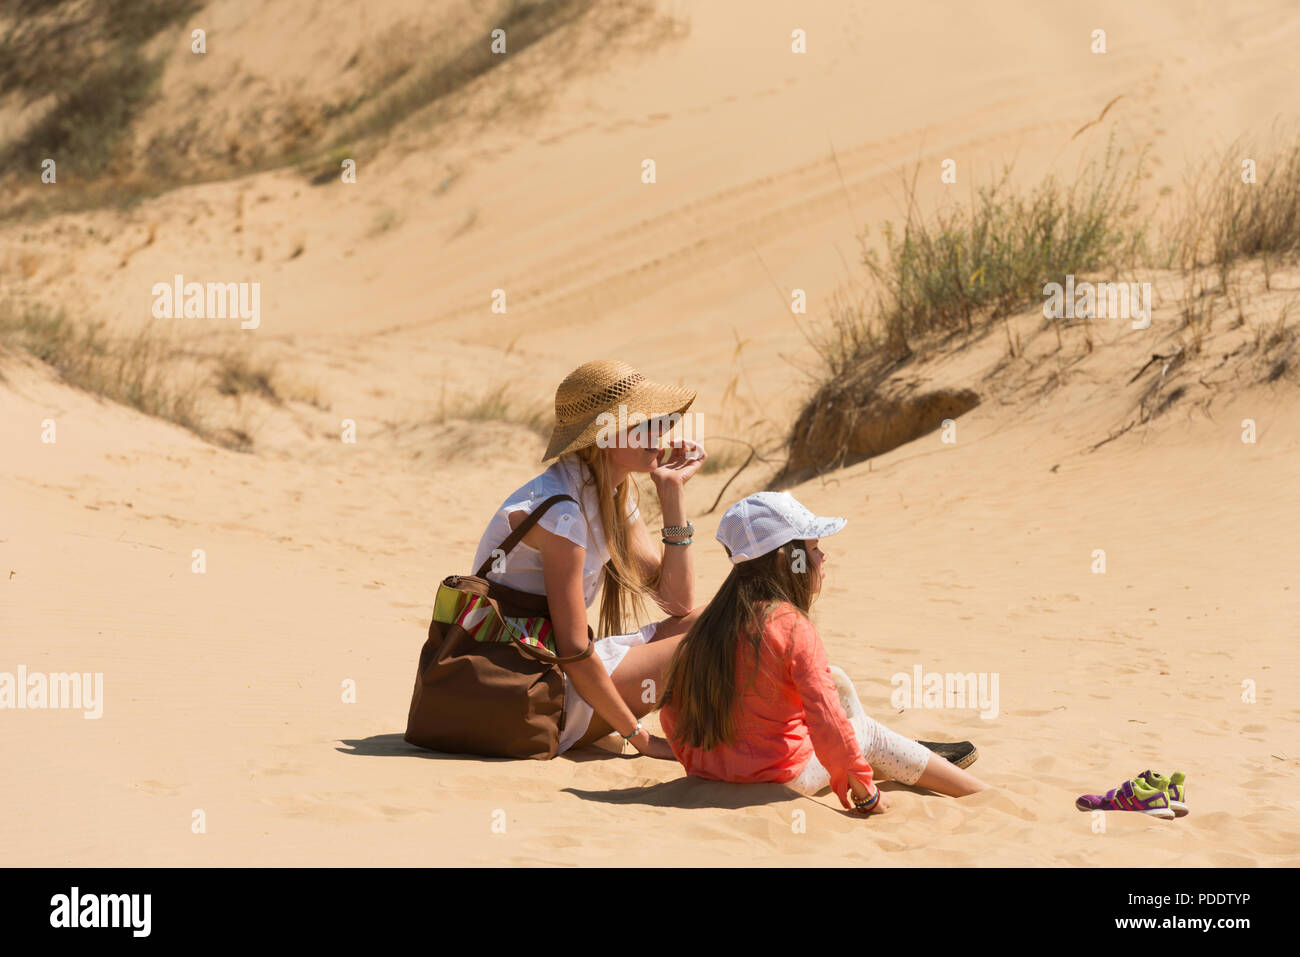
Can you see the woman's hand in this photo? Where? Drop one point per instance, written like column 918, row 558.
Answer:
column 652, row 746
column 671, row 565
column 678, row 462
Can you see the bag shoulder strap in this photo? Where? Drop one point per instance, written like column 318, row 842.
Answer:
column 524, row 527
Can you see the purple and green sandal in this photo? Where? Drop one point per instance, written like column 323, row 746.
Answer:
column 1132, row 795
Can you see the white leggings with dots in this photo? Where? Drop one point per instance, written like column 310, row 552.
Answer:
column 891, row 755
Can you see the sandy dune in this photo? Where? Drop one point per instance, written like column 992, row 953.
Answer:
column 223, row 691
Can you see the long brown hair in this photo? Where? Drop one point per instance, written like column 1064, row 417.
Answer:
column 626, row 583
column 701, row 678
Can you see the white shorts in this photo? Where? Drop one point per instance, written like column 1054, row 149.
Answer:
column 610, row 651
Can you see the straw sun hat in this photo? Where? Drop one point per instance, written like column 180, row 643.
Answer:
column 603, row 386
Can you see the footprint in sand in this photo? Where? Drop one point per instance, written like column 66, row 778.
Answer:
column 1213, row 821
column 272, row 767
column 560, row 841
column 327, row 807
column 1000, row 801
column 158, row 788
column 1224, row 859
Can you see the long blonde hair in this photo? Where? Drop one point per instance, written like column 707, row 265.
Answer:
column 626, row 583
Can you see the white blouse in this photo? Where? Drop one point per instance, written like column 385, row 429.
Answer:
column 580, row 524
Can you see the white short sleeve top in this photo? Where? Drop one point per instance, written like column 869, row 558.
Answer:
column 580, row 524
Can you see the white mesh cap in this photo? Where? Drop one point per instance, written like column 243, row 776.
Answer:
column 765, row 521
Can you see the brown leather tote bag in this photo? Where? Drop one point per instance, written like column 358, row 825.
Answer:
column 479, row 690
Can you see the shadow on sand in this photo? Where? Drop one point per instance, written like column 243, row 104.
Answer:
column 692, row 793
column 395, row 746
column 685, row 792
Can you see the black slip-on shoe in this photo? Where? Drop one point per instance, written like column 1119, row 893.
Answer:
column 960, row 753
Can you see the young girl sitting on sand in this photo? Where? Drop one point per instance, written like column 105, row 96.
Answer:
column 748, row 693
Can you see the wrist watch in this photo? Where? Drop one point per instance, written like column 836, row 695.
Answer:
column 678, row 534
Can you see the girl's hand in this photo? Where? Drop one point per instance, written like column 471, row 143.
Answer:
column 861, row 792
column 678, row 462
column 881, row 805
column 652, row 746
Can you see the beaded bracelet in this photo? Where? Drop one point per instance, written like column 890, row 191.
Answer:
column 868, row 803
column 675, row 530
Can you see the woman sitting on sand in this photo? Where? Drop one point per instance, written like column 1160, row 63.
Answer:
column 797, row 721
column 574, row 549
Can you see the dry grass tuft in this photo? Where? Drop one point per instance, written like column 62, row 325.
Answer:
column 959, row 270
column 1226, row 219
column 152, row 373
column 985, row 259
column 240, row 373
column 501, row 404
column 129, row 370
